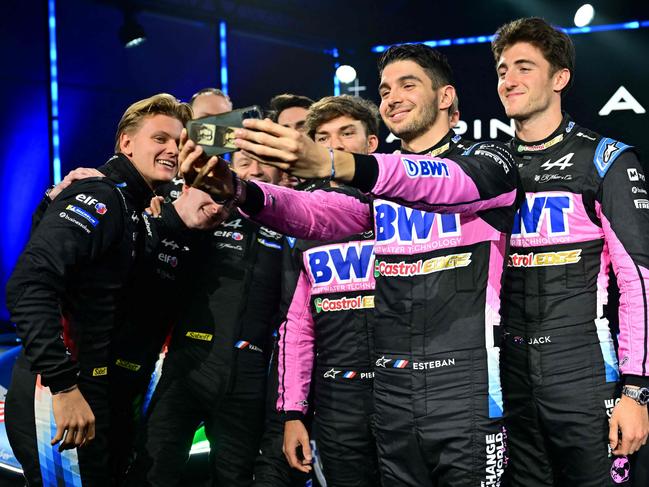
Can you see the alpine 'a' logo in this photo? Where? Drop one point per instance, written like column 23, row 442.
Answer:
column 561, row 163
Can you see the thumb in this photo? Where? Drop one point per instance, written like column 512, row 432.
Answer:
column 306, row 449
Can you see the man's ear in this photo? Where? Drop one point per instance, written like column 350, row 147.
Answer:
column 126, row 144
column 560, row 79
column 372, row 143
column 446, row 97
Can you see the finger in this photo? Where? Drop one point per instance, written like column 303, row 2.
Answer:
column 60, row 432
column 80, row 436
column 291, row 456
column 306, row 450
column 266, row 155
column 287, row 143
column 613, row 434
column 91, row 431
column 204, row 172
column 183, row 138
column 268, row 126
column 68, row 440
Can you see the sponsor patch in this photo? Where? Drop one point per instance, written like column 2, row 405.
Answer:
column 495, row 450
column 268, row 243
column 128, row 365
column 101, row 209
column 99, row 371
column 343, row 304
column 641, row 204
column 206, row 337
column 65, row 216
column 422, row 267
column 425, row 168
column 532, row 259
column 83, row 214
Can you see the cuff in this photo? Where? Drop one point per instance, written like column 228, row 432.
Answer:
column 366, row 172
column 635, row 380
column 291, row 415
column 60, row 382
column 254, row 199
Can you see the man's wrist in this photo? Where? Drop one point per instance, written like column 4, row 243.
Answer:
column 638, row 394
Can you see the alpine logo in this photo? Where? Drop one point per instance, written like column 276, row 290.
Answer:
column 561, row 163
column 549, row 209
column 345, row 263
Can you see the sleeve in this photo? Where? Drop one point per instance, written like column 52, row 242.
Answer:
column 622, row 205
column 320, row 215
column 481, row 178
column 75, row 230
column 296, row 353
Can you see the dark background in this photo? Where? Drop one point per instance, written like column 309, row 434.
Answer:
column 274, row 46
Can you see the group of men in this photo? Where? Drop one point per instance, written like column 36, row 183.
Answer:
column 419, row 282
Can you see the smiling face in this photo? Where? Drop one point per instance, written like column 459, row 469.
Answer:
column 152, row 147
column 409, row 104
column 526, row 85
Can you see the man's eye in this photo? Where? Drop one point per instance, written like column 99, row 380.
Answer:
column 321, row 139
column 348, row 134
column 408, row 86
column 383, row 94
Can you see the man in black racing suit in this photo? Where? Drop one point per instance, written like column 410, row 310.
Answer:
column 586, row 209
column 77, row 268
column 216, row 367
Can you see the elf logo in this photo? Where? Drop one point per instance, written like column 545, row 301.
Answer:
column 406, row 225
column 549, row 209
column 346, row 263
column 88, row 200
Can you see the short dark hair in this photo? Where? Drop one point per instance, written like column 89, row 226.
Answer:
column 209, row 91
column 331, row 107
column 433, row 62
column 279, row 103
column 555, row 45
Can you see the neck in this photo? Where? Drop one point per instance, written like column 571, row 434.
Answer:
column 539, row 126
column 428, row 139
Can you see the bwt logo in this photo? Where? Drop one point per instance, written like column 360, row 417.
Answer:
column 425, row 168
column 350, row 262
column 538, row 208
column 396, row 222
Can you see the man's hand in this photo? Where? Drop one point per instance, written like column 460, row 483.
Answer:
column 295, row 436
column 209, row 174
column 198, row 211
column 630, row 421
column 155, row 207
column 75, row 422
column 72, row 176
column 291, row 151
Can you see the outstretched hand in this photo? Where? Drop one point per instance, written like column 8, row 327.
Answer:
column 284, row 148
column 209, row 174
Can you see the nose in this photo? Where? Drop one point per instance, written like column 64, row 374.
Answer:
column 172, row 147
column 336, row 143
column 255, row 168
column 509, row 80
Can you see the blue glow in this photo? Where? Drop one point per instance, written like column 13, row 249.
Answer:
column 634, row 24
column 334, row 53
column 224, row 57
column 54, row 94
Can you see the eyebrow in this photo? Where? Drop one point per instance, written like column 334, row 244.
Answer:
column 407, row 77
column 517, row 62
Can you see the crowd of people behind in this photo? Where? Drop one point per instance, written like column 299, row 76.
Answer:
column 434, row 317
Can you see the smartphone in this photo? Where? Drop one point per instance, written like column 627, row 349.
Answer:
column 216, row 132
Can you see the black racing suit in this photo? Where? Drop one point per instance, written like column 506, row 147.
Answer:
column 331, row 317
column 586, row 209
column 438, row 275
column 76, row 268
column 215, row 370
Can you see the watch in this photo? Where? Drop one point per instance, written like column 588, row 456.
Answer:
column 639, row 395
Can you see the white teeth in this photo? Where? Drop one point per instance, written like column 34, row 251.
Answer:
column 165, row 162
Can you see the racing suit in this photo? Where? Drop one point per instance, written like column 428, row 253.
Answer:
column 332, row 317
column 586, row 209
column 78, row 264
column 438, row 277
column 215, row 370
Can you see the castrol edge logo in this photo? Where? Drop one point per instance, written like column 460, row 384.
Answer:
column 542, row 259
column 323, row 305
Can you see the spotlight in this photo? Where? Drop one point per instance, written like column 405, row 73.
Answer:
column 345, row 73
column 131, row 33
column 584, row 15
